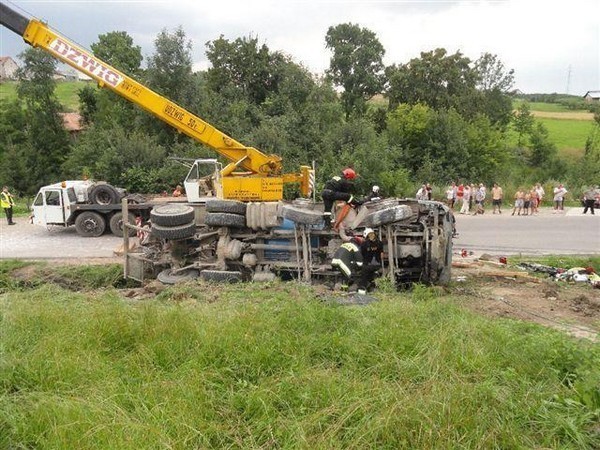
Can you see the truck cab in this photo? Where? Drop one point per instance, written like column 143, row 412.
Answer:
column 54, row 204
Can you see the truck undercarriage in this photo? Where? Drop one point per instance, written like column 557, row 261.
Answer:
column 234, row 241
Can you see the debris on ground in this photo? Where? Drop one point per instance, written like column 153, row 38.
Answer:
column 574, row 274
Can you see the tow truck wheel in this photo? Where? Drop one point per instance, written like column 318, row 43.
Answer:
column 90, row 224
column 104, row 194
column 116, row 224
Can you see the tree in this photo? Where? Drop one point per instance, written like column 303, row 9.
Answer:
column 243, row 65
column 47, row 142
column 436, row 79
column 101, row 106
column 523, row 122
column 543, row 151
column 495, row 83
column 492, row 75
column 170, row 67
column 117, row 49
column 170, row 74
column 356, row 65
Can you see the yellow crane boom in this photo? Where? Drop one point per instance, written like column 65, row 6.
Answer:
column 251, row 174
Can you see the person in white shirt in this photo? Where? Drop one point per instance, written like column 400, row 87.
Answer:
column 559, row 198
column 466, row 199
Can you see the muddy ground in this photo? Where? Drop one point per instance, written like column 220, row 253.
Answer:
column 495, row 291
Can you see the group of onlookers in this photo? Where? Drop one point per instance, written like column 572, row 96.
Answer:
column 472, row 198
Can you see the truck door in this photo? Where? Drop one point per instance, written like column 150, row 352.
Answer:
column 48, row 208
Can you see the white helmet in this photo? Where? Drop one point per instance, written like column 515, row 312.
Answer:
column 375, row 188
column 367, row 232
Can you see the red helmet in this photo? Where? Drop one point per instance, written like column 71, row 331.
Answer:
column 349, row 174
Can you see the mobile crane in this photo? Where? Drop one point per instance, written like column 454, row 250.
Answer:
column 246, row 232
column 251, row 174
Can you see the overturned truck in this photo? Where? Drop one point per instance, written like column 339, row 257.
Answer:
column 225, row 240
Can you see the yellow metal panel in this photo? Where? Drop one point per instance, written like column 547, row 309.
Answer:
column 256, row 189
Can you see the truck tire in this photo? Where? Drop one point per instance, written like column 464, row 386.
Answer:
column 171, row 215
column 168, row 277
column 303, row 216
column 226, row 206
column 90, row 224
column 225, row 220
column 222, row 276
column 116, row 224
column 104, row 194
column 387, row 215
column 174, row 233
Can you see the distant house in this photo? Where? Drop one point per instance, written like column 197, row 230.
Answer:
column 8, row 67
column 59, row 76
column 72, row 123
column 592, row 96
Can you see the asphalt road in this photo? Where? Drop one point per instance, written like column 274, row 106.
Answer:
column 26, row 241
column 570, row 232
column 547, row 233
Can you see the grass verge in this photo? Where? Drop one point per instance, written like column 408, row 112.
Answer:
column 276, row 365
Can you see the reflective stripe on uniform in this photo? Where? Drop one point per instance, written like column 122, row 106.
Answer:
column 336, row 262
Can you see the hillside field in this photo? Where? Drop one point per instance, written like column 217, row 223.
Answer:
column 66, row 91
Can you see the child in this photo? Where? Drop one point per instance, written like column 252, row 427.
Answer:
column 519, row 201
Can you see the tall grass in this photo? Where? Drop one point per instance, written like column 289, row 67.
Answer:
column 270, row 366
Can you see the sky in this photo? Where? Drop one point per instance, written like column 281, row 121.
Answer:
column 552, row 45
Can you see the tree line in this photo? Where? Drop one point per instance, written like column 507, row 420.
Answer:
column 438, row 117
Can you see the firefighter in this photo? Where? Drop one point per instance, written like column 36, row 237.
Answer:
column 348, row 259
column 7, row 202
column 372, row 255
column 360, row 259
column 338, row 188
column 374, row 195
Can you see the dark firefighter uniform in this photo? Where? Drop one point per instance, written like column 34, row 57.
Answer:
column 348, row 259
column 337, row 188
column 371, row 250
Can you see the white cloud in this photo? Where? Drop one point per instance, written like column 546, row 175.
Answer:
column 540, row 40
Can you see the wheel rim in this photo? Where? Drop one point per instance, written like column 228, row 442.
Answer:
column 103, row 198
column 90, row 225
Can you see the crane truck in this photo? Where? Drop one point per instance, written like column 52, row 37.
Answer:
column 236, row 226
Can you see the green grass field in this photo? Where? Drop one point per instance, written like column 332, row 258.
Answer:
column 568, row 135
column 545, row 107
column 66, row 91
column 279, row 366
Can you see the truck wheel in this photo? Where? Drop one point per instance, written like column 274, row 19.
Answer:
column 172, row 215
column 300, row 215
column 222, row 276
column 168, row 276
column 387, row 215
column 173, row 233
column 225, row 220
column 116, row 224
column 104, row 194
column 226, row 206
column 90, row 224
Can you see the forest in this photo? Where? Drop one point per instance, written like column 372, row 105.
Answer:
column 437, row 118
